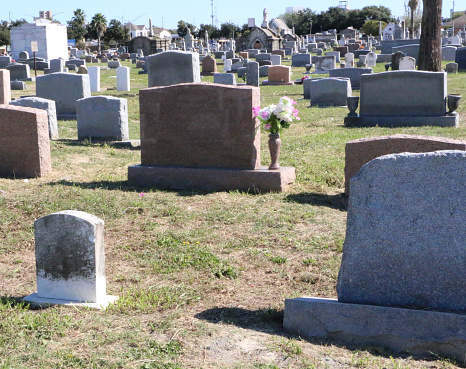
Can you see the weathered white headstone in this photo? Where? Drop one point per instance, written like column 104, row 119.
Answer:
column 349, row 60
column 371, row 59
column 94, row 78
column 407, row 63
column 70, row 261
column 123, row 81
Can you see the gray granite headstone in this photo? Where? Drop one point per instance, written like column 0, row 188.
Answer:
column 405, row 238
column 103, row 118
column 43, row 104
column 300, row 60
column 4, row 61
column 19, row 71
column 460, row 58
column 65, row 89
column 448, row 53
column 173, row 67
column 252, row 74
column 329, row 91
column 354, row 74
column 225, row 78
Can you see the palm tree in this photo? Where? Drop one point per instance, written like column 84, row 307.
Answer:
column 99, row 25
column 79, row 17
column 412, row 4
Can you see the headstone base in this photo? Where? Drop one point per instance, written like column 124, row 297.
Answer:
column 211, row 179
column 42, row 302
column 397, row 121
column 265, row 83
column 67, row 117
column 422, row 333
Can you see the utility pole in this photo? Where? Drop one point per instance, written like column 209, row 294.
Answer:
column 212, row 16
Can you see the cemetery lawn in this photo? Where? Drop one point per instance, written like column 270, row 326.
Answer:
column 202, row 276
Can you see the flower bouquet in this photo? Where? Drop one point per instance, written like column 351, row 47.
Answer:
column 275, row 118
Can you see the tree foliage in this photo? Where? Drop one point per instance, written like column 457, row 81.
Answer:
column 335, row 18
column 5, row 28
column 76, row 26
column 183, row 26
column 229, row 30
column 212, row 31
column 371, row 27
column 116, row 33
column 98, row 27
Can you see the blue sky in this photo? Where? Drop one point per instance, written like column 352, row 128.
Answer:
column 197, row 12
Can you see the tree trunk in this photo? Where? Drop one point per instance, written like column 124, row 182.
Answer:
column 98, row 41
column 412, row 24
column 430, row 52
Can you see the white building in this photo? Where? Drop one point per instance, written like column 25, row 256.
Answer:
column 51, row 38
column 137, row 30
column 161, row 32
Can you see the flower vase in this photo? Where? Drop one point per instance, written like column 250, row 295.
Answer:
column 274, row 147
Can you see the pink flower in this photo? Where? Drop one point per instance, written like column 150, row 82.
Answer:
column 256, row 111
column 142, row 194
column 267, row 127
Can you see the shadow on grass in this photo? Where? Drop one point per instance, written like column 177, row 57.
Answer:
column 123, row 186
column 16, row 302
column 95, row 142
column 271, row 321
column 339, row 201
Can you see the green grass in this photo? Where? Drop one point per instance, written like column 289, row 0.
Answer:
column 174, row 257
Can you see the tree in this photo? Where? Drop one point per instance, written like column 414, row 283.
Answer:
column 182, row 28
column 116, row 33
column 379, row 13
column 212, row 32
column 99, row 26
column 76, row 29
column 5, row 28
column 229, row 30
column 430, row 57
column 371, row 27
column 412, row 5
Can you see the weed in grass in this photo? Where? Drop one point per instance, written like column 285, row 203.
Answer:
column 278, row 259
column 309, row 261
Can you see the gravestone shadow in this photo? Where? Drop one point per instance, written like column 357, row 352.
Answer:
column 338, row 201
column 271, row 321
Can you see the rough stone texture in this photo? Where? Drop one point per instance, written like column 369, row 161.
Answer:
column 448, row 53
column 404, row 93
column 57, row 65
column 103, row 118
column 460, row 58
column 329, row 91
column 387, row 46
column 354, row 74
column 300, row 60
column 5, row 86
column 173, row 67
column 209, row 66
column 212, row 179
column 82, row 70
column 224, row 137
column 94, row 78
column 361, row 151
column 225, row 78
column 407, row 63
column 70, row 258
column 24, row 142
column 451, row 68
column 19, row 71
column 252, row 73
column 123, row 80
column 65, row 89
column 324, row 64
column 236, row 66
column 421, row 333
column 264, row 71
column 43, row 104
column 405, row 236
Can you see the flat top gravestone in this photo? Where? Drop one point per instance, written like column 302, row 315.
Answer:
column 225, row 136
column 5, row 86
column 361, row 151
column 460, row 58
column 24, row 142
column 103, row 118
column 403, row 93
column 405, row 237
column 19, row 71
column 70, row 259
column 329, row 91
column 279, row 73
column 43, row 104
column 354, row 74
column 173, row 67
column 65, row 89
